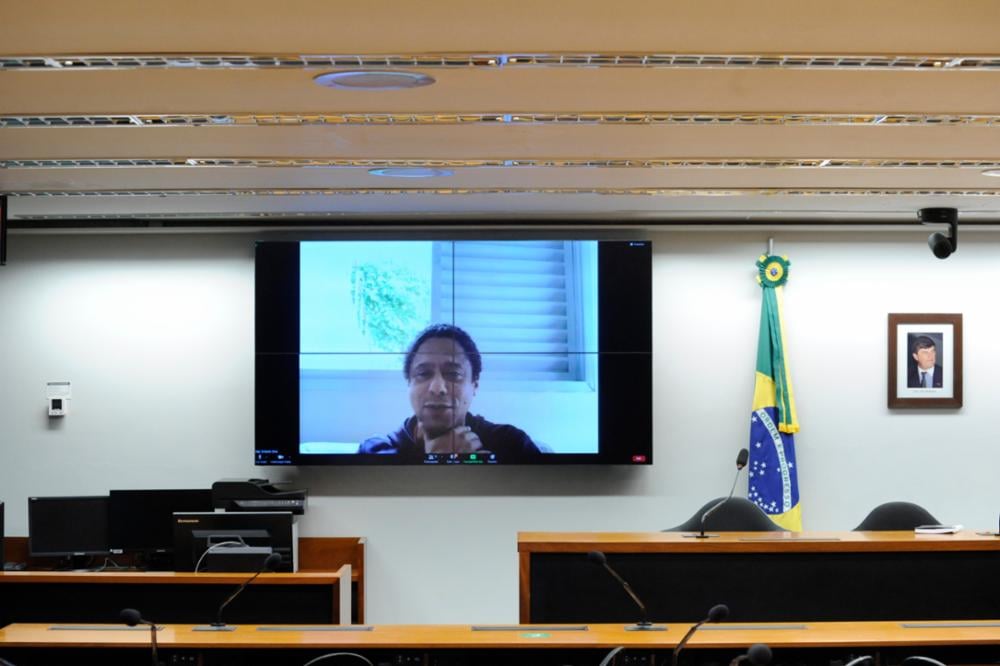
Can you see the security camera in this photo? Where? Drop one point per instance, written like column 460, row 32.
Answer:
column 941, row 245
column 938, row 215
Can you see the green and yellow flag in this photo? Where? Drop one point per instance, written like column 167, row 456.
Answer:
column 773, row 478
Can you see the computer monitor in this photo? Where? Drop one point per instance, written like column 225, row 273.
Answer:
column 71, row 527
column 142, row 521
column 194, row 533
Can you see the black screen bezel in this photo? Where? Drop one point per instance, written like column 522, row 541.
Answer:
column 625, row 372
column 96, row 506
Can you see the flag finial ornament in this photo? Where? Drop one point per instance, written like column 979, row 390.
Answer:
column 772, row 270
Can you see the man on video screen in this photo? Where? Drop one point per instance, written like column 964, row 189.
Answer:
column 442, row 369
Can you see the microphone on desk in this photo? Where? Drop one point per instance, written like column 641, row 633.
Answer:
column 599, row 558
column 758, row 655
column 270, row 564
column 132, row 617
column 741, row 461
column 716, row 613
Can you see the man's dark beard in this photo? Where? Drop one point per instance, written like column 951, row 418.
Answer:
column 434, row 433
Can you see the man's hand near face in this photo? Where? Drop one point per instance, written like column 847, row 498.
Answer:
column 460, row 439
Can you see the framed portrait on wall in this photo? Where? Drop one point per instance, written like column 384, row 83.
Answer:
column 925, row 360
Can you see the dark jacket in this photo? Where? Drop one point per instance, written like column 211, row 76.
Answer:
column 913, row 376
column 510, row 444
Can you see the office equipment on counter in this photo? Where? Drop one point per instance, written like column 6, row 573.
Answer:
column 257, row 495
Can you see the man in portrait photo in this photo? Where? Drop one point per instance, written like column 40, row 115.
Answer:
column 923, row 370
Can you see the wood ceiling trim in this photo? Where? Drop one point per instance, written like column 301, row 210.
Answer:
column 319, row 26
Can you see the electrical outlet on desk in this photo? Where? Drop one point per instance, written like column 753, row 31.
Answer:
column 408, row 659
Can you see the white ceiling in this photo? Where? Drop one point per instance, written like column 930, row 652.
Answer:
column 643, row 111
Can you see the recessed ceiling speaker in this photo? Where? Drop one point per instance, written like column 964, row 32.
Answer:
column 373, row 79
column 941, row 245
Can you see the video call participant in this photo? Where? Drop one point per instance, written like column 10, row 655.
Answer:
column 442, row 369
column 924, row 371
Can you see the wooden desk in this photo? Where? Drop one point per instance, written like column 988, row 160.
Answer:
column 760, row 576
column 27, row 644
column 314, row 594
column 82, row 596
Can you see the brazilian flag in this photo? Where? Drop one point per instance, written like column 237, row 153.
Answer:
column 772, row 478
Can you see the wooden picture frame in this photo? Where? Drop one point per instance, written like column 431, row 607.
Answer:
column 925, row 361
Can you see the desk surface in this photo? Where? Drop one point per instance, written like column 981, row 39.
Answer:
column 805, row 635
column 173, row 577
column 749, row 542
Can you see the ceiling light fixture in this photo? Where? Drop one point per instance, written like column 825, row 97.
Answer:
column 992, row 172
column 941, row 245
column 372, row 79
column 411, row 172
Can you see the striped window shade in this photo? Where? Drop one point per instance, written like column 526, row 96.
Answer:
column 520, row 302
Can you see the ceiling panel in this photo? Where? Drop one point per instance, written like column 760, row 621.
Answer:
column 508, row 142
column 648, row 111
column 386, row 26
column 541, row 90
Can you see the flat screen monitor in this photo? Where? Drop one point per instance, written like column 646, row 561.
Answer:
column 196, row 532
column 460, row 352
column 143, row 520
column 68, row 526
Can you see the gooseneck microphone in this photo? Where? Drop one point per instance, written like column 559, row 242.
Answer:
column 599, row 558
column 758, row 655
column 132, row 617
column 741, row 461
column 270, row 564
column 716, row 613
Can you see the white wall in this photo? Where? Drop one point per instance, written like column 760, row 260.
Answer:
column 155, row 332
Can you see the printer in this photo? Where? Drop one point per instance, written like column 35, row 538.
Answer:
column 257, row 495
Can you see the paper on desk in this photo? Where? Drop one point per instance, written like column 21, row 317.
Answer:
column 937, row 529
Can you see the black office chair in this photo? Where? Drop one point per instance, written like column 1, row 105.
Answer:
column 736, row 515
column 896, row 516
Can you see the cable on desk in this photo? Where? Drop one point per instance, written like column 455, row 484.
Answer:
column 918, row 660
column 109, row 563
column 607, row 658
column 330, row 655
column 227, row 544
